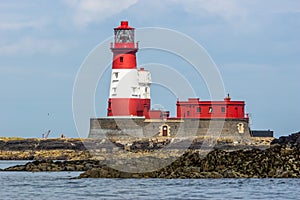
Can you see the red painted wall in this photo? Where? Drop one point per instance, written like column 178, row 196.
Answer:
column 194, row 108
column 158, row 114
column 128, row 107
column 124, row 59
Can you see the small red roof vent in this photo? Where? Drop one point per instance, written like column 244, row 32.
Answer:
column 124, row 25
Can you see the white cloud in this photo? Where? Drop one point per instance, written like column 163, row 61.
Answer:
column 228, row 9
column 273, row 6
column 17, row 25
column 17, row 21
column 91, row 11
column 8, row 70
column 31, row 46
column 243, row 15
column 21, row 15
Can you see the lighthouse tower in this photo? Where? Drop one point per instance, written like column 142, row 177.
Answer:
column 129, row 93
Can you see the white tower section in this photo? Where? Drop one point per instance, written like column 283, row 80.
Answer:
column 124, row 84
column 144, row 81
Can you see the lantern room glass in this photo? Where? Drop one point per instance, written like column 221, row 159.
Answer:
column 124, row 35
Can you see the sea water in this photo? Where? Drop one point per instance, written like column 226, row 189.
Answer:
column 61, row 185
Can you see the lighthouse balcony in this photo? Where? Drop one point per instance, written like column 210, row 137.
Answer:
column 124, row 45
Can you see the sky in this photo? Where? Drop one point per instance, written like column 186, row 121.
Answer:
column 254, row 44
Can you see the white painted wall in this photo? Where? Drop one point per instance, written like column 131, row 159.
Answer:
column 144, row 78
column 130, row 83
column 124, row 84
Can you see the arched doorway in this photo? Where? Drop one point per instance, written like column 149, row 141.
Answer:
column 165, row 130
column 241, row 128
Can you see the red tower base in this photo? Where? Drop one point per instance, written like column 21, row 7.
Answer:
column 128, row 107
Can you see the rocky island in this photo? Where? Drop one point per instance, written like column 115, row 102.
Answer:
column 281, row 159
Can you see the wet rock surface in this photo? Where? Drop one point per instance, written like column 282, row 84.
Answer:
column 281, row 160
column 275, row 162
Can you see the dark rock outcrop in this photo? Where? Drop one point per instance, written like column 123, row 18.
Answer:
column 291, row 140
column 49, row 165
column 275, row 162
column 281, row 160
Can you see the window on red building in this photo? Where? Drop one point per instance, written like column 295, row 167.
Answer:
column 198, row 110
column 210, row 110
column 223, row 109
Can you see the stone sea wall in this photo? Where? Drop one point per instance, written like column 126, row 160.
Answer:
column 139, row 127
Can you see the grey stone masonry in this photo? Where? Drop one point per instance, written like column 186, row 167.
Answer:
column 141, row 127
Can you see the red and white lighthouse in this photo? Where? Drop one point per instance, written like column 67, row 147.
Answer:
column 129, row 93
